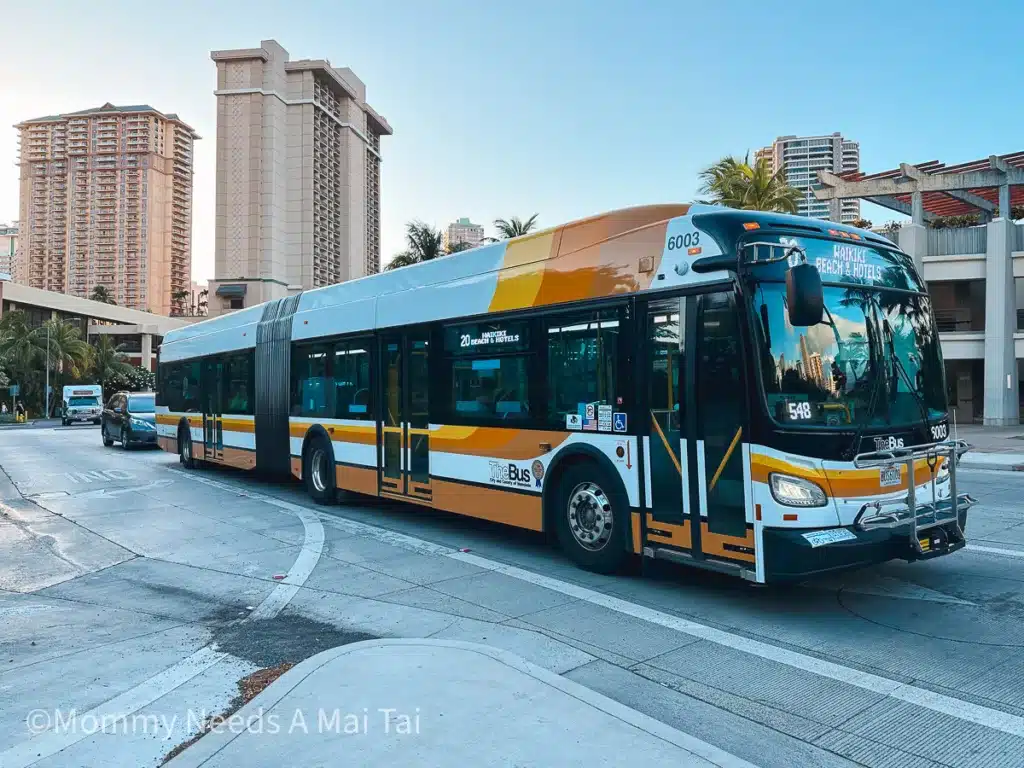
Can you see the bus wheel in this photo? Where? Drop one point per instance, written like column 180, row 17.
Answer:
column 185, row 449
column 591, row 519
column 318, row 469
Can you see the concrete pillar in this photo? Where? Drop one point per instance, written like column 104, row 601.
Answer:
column 1001, row 404
column 917, row 208
column 147, row 351
column 1004, row 202
column 913, row 239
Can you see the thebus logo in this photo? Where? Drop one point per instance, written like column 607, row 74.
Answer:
column 509, row 474
column 888, row 443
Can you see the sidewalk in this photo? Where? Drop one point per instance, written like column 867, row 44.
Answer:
column 992, row 447
column 37, row 423
column 439, row 703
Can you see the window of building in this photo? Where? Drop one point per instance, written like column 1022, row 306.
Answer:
column 583, row 355
column 489, row 366
column 352, row 393
column 312, row 385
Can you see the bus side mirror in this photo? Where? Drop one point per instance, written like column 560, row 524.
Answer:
column 804, row 295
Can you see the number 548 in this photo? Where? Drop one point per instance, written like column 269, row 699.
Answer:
column 799, row 410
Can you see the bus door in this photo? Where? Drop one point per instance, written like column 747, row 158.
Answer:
column 666, row 470
column 719, row 429
column 404, row 425
column 213, row 409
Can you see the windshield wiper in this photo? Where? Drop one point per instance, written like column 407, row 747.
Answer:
column 898, row 365
column 869, row 411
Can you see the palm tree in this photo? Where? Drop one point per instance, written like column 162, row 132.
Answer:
column 424, row 244
column 18, row 353
column 101, row 294
column 403, row 259
column 61, row 348
column 515, row 227
column 738, row 184
column 178, row 299
column 202, row 304
column 108, row 359
column 457, row 248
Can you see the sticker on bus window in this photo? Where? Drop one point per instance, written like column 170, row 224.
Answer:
column 573, row 421
column 619, row 422
column 604, row 418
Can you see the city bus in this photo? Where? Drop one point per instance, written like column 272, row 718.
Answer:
column 747, row 392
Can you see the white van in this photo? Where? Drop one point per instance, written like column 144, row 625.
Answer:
column 82, row 402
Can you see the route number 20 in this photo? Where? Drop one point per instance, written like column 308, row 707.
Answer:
column 688, row 240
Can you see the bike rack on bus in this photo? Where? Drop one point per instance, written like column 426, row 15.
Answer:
column 906, row 511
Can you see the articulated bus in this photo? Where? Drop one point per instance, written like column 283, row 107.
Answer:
column 746, row 392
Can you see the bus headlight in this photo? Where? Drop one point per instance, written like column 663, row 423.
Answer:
column 795, row 491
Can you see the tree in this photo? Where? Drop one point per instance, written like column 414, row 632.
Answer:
column 135, row 379
column 738, row 184
column 107, row 359
column 101, row 294
column 861, row 223
column 515, row 227
column 423, row 244
column 19, row 355
column 457, row 248
column 203, row 303
column 63, row 350
column 179, row 303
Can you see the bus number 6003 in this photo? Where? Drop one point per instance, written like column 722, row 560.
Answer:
column 684, row 241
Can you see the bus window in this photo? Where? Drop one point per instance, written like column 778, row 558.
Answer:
column 489, row 371
column 189, row 400
column 493, row 388
column 583, row 352
column 238, row 397
column 352, row 379
column 312, row 385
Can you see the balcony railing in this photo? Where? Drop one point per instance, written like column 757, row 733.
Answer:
column 947, row 242
column 953, row 320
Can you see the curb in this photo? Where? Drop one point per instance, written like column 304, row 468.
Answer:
column 212, row 743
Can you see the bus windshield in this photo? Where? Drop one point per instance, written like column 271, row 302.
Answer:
column 873, row 360
column 79, row 402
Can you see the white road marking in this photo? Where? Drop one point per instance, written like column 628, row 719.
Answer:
column 995, row 550
column 113, row 712
column 922, row 697
column 119, row 491
column 98, row 475
column 937, row 702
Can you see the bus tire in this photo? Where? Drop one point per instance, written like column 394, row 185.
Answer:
column 185, row 456
column 318, row 469
column 592, row 518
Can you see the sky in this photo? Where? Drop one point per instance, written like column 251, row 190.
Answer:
column 560, row 108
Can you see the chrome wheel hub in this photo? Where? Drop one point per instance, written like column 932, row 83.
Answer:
column 590, row 516
column 317, row 469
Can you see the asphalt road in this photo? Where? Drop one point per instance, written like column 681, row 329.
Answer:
column 127, row 585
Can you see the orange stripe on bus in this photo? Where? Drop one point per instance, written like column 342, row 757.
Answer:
column 495, row 442
column 842, row 483
column 519, row 509
column 714, row 544
column 343, row 433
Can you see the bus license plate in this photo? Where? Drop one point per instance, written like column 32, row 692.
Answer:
column 890, row 476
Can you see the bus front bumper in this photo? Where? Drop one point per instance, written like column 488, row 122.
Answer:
column 879, row 535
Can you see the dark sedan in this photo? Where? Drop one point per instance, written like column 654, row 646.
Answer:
column 129, row 417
